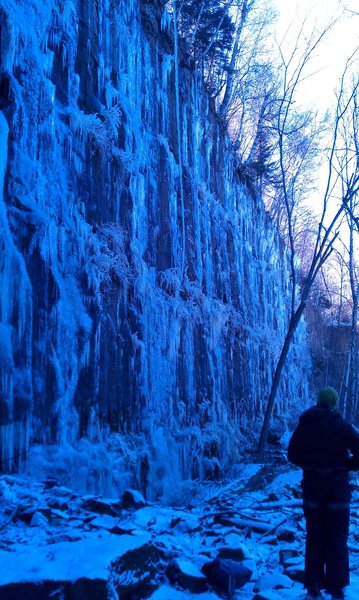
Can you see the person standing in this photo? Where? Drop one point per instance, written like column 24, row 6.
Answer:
column 326, row 447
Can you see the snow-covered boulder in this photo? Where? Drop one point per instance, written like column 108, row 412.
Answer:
column 133, row 499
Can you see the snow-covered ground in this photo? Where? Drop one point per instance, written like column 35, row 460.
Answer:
column 57, row 544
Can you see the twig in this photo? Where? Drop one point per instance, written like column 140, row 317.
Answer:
column 272, row 530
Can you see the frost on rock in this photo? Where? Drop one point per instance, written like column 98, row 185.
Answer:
column 144, row 292
column 146, row 553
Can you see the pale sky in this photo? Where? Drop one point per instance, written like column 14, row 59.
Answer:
column 318, row 91
column 333, row 50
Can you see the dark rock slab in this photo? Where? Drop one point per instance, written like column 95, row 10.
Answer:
column 226, row 575
column 270, row 582
column 267, row 595
column 27, row 513
column 286, row 556
column 295, row 572
column 82, row 589
column 232, row 547
column 287, row 534
column 139, row 572
column 101, row 506
column 187, row 576
column 271, row 540
column 50, row 483
column 133, row 499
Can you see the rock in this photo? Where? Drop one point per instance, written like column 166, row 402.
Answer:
column 96, row 589
column 286, row 555
column 188, row 523
column 175, row 521
column 187, row 575
column 226, row 575
column 133, row 499
column 59, row 517
column 272, row 497
column 57, row 504
column 62, row 492
column 209, row 533
column 272, row 540
column 27, row 513
column 287, row 534
column 63, row 537
column 273, row 582
column 39, row 520
column 104, row 522
column 101, row 506
column 235, row 554
column 295, row 572
column 267, row 595
column 233, row 548
column 168, row 592
column 122, row 530
column 139, row 572
column 50, row 483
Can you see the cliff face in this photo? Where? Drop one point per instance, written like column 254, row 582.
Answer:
column 144, row 292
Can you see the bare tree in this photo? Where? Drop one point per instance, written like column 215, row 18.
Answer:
column 247, row 99
column 242, row 14
column 226, row 40
column 339, row 159
column 351, row 391
column 349, row 162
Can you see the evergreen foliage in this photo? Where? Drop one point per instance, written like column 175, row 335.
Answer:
column 207, row 29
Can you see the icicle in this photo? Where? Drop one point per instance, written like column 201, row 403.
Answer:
column 159, row 321
column 179, row 137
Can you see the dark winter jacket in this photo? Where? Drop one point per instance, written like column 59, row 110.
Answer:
column 324, row 441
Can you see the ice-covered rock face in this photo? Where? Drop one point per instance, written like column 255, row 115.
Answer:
column 144, row 291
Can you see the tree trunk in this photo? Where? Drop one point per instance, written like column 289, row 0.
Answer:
column 353, row 363
column 293, row 324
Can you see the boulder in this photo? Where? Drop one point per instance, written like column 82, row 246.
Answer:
column 94, row 589
column 101, row 506
column 287, row 534
column 226, row 575
column 267, row 595
column 50, row 483
column 286, row 556
column 275, row 581
column 133, row 499
column 295, row 572
column 139, row 572
column 233, row 548
column 27, row 514
column 39, row 520
column 187, row 575
column 271, row 540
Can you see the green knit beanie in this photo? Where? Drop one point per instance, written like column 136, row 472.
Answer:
column 328, row 396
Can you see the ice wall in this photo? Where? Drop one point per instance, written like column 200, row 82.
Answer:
column 144, row 291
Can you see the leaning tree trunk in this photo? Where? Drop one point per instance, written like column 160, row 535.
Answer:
column 293, row 324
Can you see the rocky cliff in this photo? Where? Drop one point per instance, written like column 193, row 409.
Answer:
column 144, row 291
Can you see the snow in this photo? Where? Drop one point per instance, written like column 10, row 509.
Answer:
column 272, row 581
column 89, row 557
column 165, row 592
column 82, row 546
column 189, row 568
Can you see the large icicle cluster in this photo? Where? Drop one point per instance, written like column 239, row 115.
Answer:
column 117, row 326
